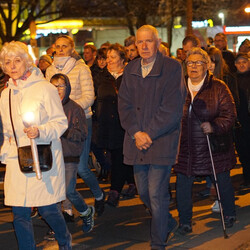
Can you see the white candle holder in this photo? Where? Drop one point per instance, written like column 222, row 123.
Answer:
column 28, row 121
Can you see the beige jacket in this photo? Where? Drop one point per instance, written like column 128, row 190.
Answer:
column 39, row 96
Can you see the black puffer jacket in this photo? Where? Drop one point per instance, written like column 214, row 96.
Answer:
column 213, row 103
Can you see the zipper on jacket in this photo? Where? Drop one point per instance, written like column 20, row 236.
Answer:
column 189, row 141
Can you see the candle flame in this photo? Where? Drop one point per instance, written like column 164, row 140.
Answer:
column 29, row 117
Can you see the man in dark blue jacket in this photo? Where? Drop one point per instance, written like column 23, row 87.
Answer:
column 150, row 104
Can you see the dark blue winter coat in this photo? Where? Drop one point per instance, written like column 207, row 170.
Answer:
column 154, row 105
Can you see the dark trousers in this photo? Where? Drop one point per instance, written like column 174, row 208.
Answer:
column 120, row 172
column 184, row 196
column 242, row 143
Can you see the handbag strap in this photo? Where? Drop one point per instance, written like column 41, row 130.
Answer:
column 11, row 121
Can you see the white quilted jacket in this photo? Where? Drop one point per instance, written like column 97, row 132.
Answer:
column 82, row 88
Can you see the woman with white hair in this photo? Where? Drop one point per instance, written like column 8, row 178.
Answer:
column 209, row 109
column 28, row 91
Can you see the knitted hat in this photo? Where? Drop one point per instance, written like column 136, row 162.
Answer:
column 46, row 58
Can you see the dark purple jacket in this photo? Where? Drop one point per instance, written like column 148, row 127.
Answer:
column 154, row 105
column 213, row 103
column 74, row 137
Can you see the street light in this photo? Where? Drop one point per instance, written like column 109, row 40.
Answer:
column 222, row 17
column 247, row 10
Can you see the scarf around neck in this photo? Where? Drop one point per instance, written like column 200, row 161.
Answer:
column 64, row 64
column 195, row 88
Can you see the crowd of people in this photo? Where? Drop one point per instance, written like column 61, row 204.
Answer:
column 141, row 112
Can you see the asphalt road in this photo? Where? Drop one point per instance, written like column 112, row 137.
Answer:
column 128, row 225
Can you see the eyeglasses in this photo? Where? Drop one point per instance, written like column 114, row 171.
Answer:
column 192, row 63
column 60, row 86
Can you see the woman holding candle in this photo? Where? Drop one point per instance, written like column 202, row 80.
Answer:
column 28, row 91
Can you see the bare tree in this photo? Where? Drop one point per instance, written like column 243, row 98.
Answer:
column 189, row 16
column 135, row 12
column 16, row 17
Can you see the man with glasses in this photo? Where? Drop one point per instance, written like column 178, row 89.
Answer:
column 150, row 103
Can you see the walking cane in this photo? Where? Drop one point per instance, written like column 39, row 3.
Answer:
column 217, row 188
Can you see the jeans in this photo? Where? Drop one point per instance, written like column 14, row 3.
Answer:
column 24, row 229
column 152, row 184
column 184, row 196
column 73, row 196
column 83, row 169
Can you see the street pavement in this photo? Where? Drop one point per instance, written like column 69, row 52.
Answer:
column 128, row 225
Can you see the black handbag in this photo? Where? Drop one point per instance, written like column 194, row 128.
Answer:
column 25, row 158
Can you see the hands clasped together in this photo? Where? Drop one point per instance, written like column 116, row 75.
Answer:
column 142, row 140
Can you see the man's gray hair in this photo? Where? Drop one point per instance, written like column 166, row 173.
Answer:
column 198, row 51
column 149, row 28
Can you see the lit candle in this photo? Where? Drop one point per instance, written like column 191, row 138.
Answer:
column 28, row 120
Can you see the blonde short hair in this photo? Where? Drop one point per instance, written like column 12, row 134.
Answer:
column 15, row 48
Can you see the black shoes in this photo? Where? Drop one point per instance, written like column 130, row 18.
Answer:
column 34, row 212
column 229, row 221
column 99, row 205
column 113, row 198
column 50, row 236
column 184, row 229
column 130, row 192
column 204, row 193
column 68, row 218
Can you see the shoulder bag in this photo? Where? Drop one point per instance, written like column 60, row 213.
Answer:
column 25, row 158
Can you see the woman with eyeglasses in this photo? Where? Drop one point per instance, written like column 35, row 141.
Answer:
column 209, row 109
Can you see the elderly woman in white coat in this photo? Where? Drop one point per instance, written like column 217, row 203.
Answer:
column 68, row 62
column 28, row 91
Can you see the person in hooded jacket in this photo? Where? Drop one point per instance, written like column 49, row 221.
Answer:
column 72, row 145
